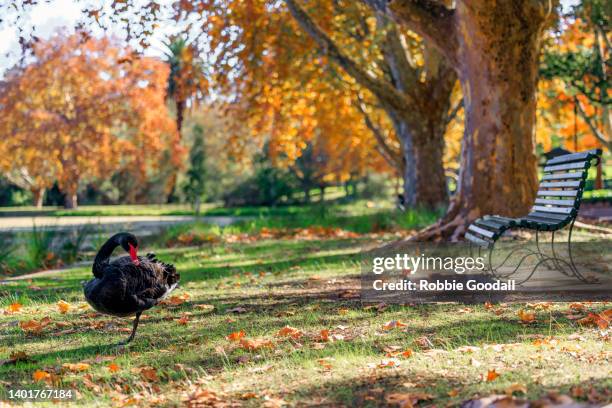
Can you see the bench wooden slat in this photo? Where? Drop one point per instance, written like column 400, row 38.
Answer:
column 568, row 166
column 538, row 220
column 482, row 231
column 567, row 158
column 500, row 219
column 558, row 184
column 490, row 223
column 556, row 210
column 563, row 203
column 564, row 176
column 548, row 216
column 478, row 241
column 558, row 193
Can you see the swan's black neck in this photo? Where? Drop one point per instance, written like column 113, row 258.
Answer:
column 106, row 251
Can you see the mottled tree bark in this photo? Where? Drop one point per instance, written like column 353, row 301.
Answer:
column 494, row 47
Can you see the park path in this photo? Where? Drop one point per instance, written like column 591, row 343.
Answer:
column 134, row 222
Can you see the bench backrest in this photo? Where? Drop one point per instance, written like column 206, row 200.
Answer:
column 560, row 192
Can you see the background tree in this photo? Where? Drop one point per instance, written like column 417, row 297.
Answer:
column 263, row 58
column 580, row 57
column 495, row 49
column 83, row 109
column 187, row 83
column 195, row 185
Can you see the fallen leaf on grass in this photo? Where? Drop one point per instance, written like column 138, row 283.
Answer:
column 515, row 388
column 183, row 320
column 14, row 307
column 390, row 325
column 235, row 336
column 63, row 306
column 408, row 399
column 325, row 363
column 149, row 374
column 34, row 326
column 176, row 300
column 577, row 306
column 76, row 367
column 40, row 375
column 289, row 331
column 453, row 393
column 601, row 320
column 495, row 401
column 424, row 342
column 255, row 344
column 526, row 317
column 492, row 375
column 15, row 357
column 389, row 363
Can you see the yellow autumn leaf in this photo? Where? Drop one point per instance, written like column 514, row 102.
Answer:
column 63, row 306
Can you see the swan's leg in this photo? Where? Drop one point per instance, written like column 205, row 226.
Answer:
column 134, row 327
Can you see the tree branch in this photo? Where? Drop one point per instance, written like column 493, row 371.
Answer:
column 452, row 113
column 428, row 18
column 392, row 157
column 589, row 121
column 382, row 89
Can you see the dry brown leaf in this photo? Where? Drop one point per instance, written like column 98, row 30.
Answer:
column 34, row 326
column 149, row 374
column 526, row 317
column 176, row 300
column 407, row 399
column 15, row 357
column 325, row 363
column 76, row 367
column 601, row 320
column 390, row 325
column 255, row 344
column 289, row 331
column 516, row 387
column 183, row 320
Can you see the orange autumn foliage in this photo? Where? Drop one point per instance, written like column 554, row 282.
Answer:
column 82, row 109
column 283, row 92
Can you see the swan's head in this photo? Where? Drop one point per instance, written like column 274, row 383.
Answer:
column 130, row 244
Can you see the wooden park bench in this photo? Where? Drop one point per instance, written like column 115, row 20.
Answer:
column 556, row 206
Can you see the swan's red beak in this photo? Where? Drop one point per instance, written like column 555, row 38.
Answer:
column 134, row 254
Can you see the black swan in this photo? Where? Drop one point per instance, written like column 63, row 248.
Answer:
column 128, row 285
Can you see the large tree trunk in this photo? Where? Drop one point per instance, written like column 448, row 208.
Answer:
column 70, row 201
column 498, row 60
column 430, row 179
column 38, row 195
column 180, row 113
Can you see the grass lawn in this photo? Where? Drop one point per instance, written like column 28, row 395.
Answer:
column 336, row 351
